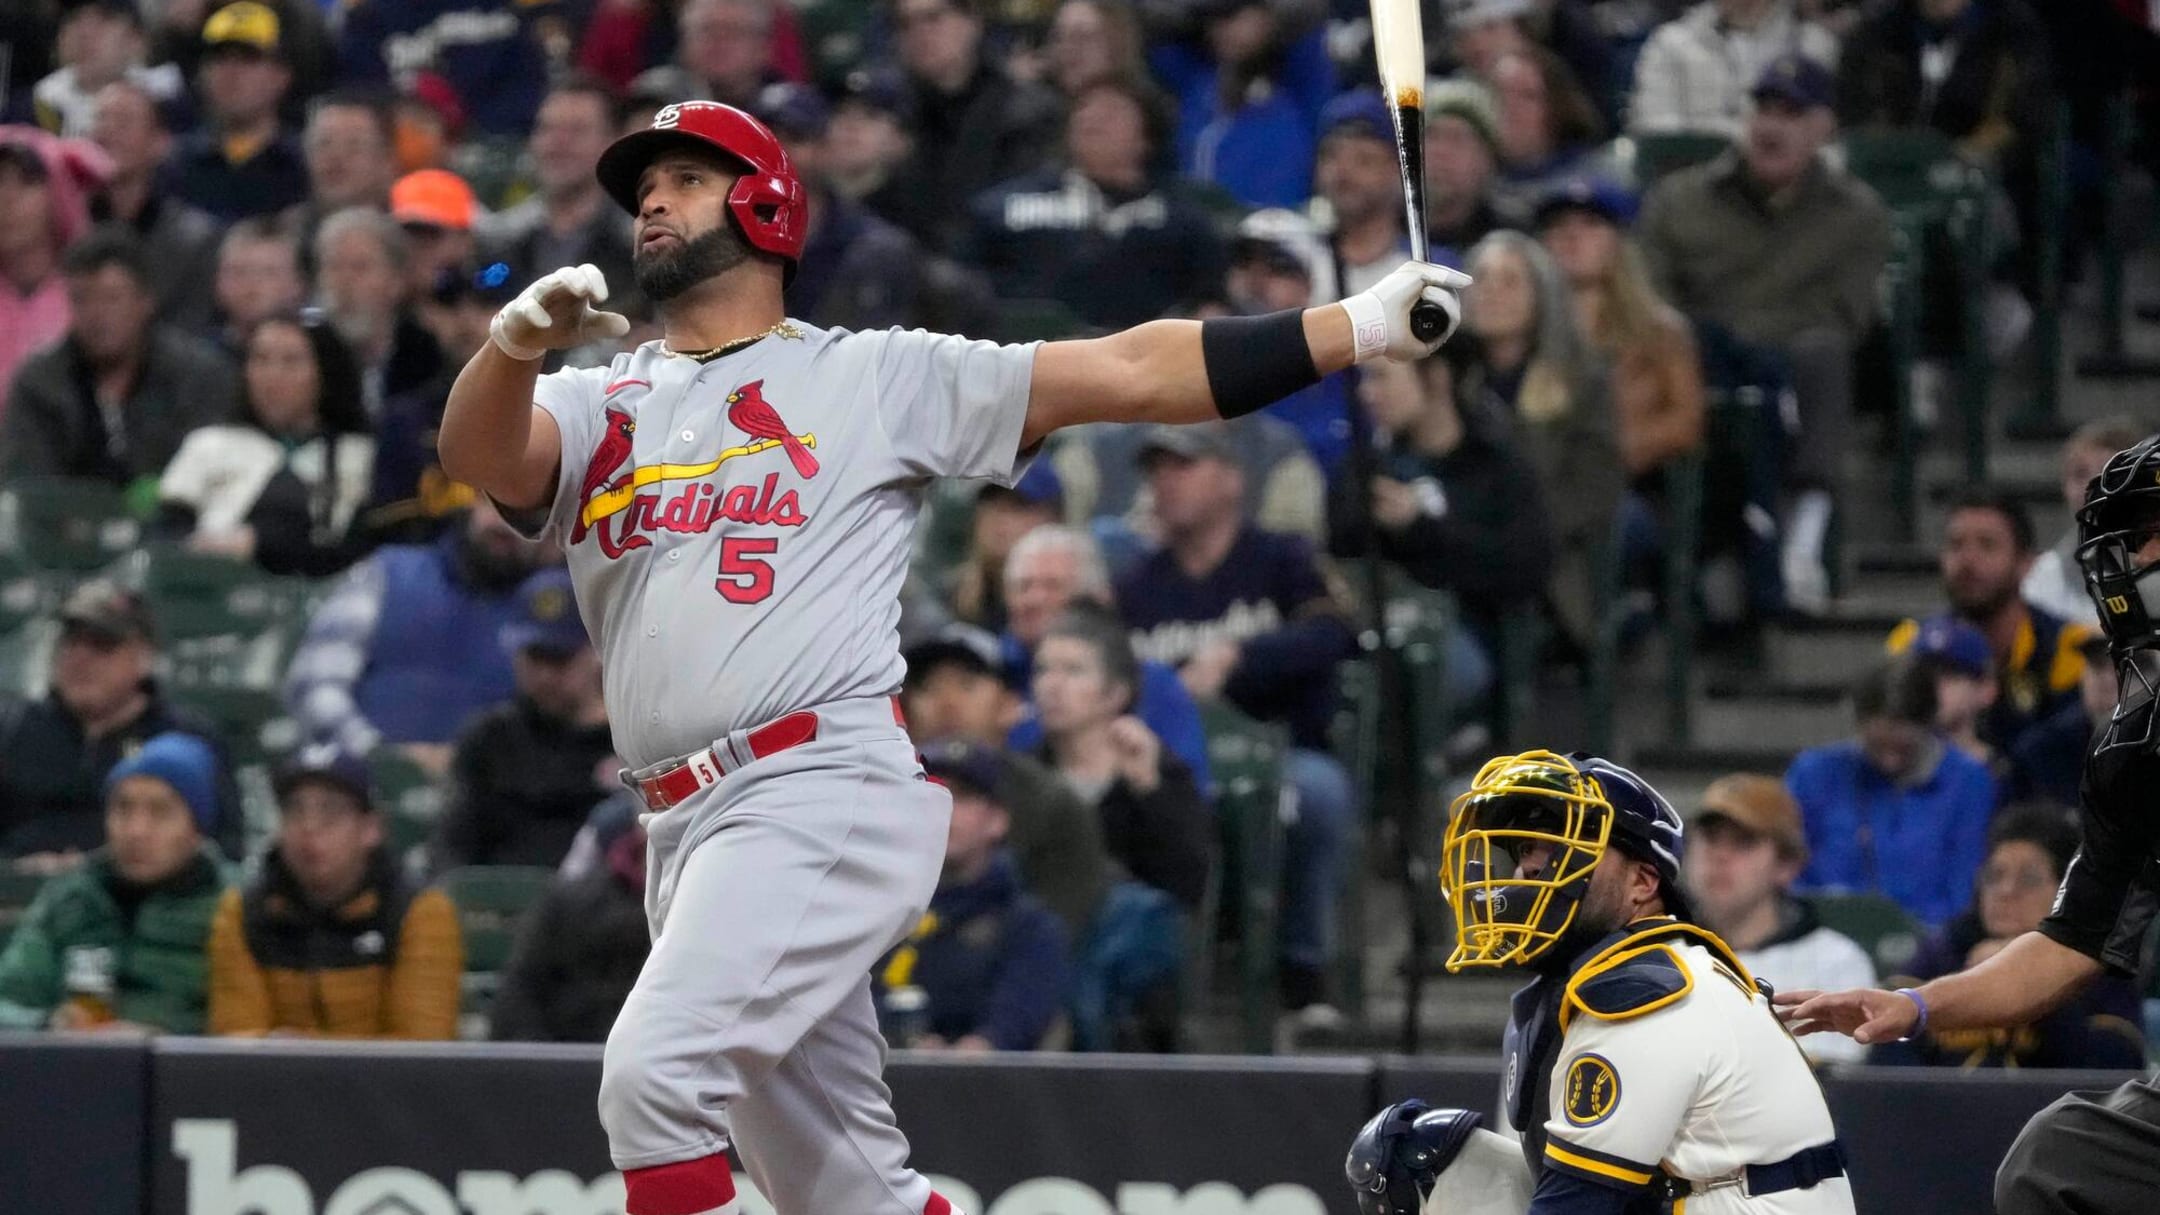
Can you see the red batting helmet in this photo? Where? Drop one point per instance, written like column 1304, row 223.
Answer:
column 767, row 202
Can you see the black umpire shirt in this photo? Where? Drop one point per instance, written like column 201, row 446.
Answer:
column 2111, row 892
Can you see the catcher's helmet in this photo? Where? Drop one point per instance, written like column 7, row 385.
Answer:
column 767, row 202
column 1398, row 1155
column 2122, row 511
column 1575, row 806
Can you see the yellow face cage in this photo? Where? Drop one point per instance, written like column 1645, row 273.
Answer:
column 1517, row 802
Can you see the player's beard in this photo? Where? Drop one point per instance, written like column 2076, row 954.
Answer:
column 668, row 273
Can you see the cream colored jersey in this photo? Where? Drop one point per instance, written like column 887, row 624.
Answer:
column 1699, row 1083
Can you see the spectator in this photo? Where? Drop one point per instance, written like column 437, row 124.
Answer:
column 1656, row 374
column 1482, row 32
column 956, row 693
column 1462, row 164
column 2048, row 762
column 1358, row 177
column 2028, row 850
column 412, row 500
column 1746, row 848
column 1089, row 42
column 579, row 950
column 1454, row 502
column 1975, row 70
column 1249, row 90
column 1956, row 654
column 528, row 773
column 258, row 276
column 180, row 240
column 490, row 70
column 1785, row 252
column 857, row 271
column 1049, row 570
column 2055, row 584
column 101, row 42
column 437, row 210
column 362, row 258
column 118, row 945
column 569, row 220
column 1002, row 516
column 281, row 486
column 1102, row 235
column 1696, row 71
column 328, row 939
column 974, row 126
column 242, row 162
column 366, row 676
column 1154, row 820
column 871, row 144
column 1535, row 370
column 1548, row 125
column 1895, row 810
column 1987, row 550
column 723, row 52
column 1247, row 616
column 988, row 958
column 102, row 704
column 115, row 398
column 1279, row 261
column 45, row 188
column 350, row 144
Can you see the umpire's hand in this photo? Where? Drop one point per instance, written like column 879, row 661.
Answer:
column 555, row 313
column 1866, row 1015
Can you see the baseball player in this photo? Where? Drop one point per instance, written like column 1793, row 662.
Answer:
column 1644, row 1065
column 2096, row 1154
column 737, row 502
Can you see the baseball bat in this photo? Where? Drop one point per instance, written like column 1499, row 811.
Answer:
column 1398, row 34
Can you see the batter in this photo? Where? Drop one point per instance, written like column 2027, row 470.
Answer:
column 737, row 503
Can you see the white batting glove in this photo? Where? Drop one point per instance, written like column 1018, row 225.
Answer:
column 1380, row 317
column 556, row 313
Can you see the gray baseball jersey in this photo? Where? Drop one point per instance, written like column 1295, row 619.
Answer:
column 738, row 531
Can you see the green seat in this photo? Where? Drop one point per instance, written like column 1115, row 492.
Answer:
column 1683, row 521
column 17, row 892
column 28, row 593
column 26, row 657
column 1659, row 155
column 1909, row 167
column 204, row 596
column 491, row 901
column 57, row 523
column 1246, row 758
column 408, row 794
column 1038, row 320
column 1886, row 930
column 251, row 722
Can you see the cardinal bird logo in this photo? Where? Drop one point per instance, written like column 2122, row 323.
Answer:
column 749, row 412
column 608, row 459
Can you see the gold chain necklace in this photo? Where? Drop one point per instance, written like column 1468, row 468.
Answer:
column 784, row 329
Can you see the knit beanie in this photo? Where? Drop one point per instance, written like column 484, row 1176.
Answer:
column 183, row 761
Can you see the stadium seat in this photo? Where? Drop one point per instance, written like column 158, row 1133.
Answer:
column 1683, row 479
column 491, row 901
column 1246, row 758
column 26, row 657
column 251, row 722
column 56, row 523
column 1655, row 156
column 27, row 593
column 409, row 795
column 1886, row 930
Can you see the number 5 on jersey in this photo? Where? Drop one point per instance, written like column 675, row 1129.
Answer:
column 743, row 577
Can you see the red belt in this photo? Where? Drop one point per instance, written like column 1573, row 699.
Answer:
column 703, row 769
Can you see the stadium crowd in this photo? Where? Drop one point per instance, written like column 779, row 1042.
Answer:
column 245, row 247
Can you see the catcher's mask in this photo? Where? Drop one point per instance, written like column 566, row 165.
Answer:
column 2121, row 513
column 1519, row 803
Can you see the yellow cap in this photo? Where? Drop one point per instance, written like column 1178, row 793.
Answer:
column 243, row 23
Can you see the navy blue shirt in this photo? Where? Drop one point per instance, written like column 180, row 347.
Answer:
column 1269, row 596
column 269, row 181
column 991, row 958
column 488, row 52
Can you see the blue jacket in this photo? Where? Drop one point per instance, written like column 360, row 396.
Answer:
column 1262, row 151
column 1165, row 706
column 992, row 960
column 1922, row 847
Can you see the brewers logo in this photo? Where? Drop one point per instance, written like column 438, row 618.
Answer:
column 1593, row 1090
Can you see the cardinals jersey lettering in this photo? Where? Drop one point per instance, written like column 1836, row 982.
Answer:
column 738, row 530
column 1681, row 1067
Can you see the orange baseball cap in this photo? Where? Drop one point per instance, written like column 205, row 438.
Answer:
column 435, row 197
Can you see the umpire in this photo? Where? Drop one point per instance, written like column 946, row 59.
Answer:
column 2089, row 1153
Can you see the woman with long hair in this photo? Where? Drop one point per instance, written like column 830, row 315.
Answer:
column 279, row 486
column 1536, row 368
column 1548, row 125
column 1657, row 388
